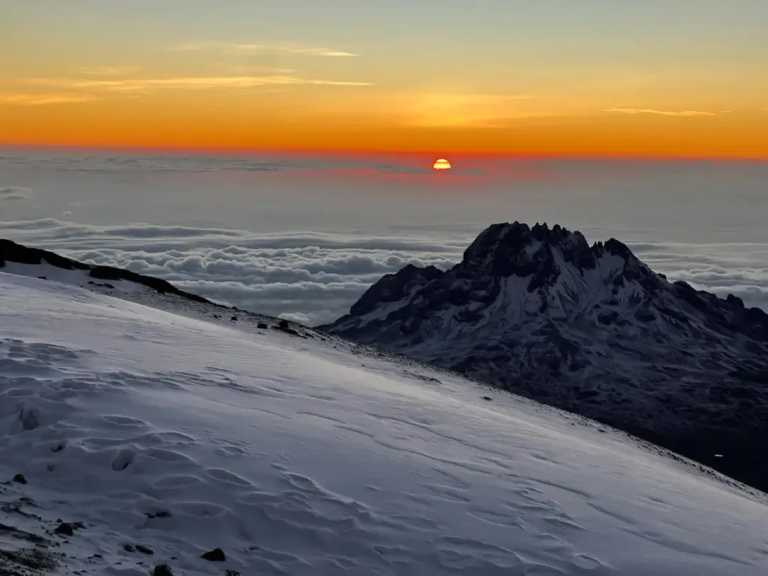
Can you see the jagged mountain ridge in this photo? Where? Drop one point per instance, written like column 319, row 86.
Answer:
column 588, row 328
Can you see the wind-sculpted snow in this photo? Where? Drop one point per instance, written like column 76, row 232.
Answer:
column 591, row 329
column 142, row 437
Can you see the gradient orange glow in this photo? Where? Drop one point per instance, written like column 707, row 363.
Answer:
column 619, row 81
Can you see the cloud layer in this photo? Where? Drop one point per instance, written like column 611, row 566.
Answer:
column 314, row 277
column 14, row 193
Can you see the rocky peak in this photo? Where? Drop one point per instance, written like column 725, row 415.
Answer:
column 504, row 250
column 591, row 329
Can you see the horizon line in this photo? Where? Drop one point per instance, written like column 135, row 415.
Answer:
column 499, row 154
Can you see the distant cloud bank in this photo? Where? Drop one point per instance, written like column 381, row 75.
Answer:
column 314, row 277
column 13, row 193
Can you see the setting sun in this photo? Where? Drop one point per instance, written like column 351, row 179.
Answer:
column 441, row 164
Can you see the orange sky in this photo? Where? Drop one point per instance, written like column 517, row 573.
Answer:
column 506, row 77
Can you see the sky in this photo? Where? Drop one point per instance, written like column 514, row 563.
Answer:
column 522, row 77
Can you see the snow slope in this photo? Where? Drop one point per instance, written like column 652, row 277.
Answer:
column 299, row 456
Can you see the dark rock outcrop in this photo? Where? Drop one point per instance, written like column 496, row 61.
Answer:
column 591, row 329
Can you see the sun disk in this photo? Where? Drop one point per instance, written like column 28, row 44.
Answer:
column 441, row 164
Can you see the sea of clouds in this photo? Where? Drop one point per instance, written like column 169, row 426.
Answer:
column 314, row 277
column 307, row 276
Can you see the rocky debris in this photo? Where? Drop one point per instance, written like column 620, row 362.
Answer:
column 285, row 326
column 588, row 328
column 215, row 555
column 19, row 479
column 67, row 528
column 162, row 570
column 27, row 562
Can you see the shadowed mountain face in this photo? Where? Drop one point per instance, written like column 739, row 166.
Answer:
column 590, row 329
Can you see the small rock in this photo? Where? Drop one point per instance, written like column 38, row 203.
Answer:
column 215, row 555
column 145, row 549
column 262, row 326
column 65, row 529
column 129, row 548
column 158, row 514
column 487, row 398
column 20, row 479
column 162, row 570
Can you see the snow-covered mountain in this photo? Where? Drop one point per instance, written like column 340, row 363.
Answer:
column 590, row 329
column 141, row 428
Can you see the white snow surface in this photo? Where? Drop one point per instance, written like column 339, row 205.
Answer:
column 300, row 456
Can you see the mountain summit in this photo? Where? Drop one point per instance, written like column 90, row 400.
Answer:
column 589, row 328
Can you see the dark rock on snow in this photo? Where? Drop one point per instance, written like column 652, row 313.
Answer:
column 215, row 555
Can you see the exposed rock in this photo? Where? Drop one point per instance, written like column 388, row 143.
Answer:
column 215, row 555
column 162, row 570
column 590, row 329
column 65, row 529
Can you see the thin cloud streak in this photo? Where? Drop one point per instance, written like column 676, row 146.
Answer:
column 143, row 85
column 655, row 112
column 250, row 48
column 44, row 99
